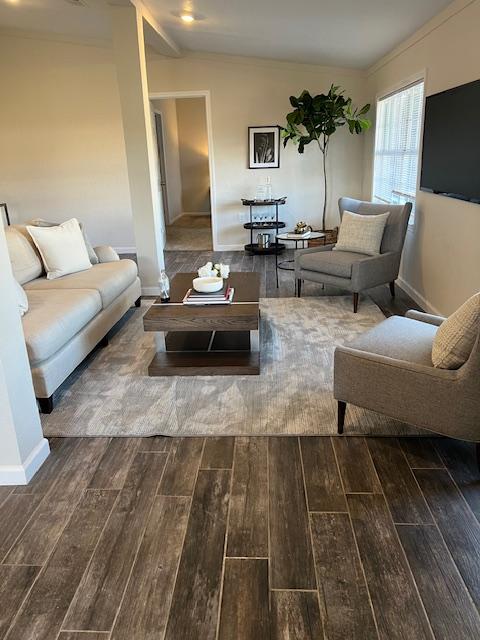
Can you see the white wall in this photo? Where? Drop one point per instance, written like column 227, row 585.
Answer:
column 441, row 265
column 62, row 147
column 255, row 92
column 193, row 148
column 167, row 108
column 22, row 445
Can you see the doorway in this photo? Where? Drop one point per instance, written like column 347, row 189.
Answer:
column 182, row 128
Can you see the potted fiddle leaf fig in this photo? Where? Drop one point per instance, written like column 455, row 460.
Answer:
column 317, row 118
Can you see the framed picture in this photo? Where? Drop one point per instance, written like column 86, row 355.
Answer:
column 4, row 213
column 264, row 147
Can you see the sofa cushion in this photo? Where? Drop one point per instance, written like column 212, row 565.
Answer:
column 25, row 261
column 334, row 263
column 456, row 335
column 109, row 279
column 54, row 317
column 399, row 338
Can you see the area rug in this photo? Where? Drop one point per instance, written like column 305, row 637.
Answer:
column 110, row 394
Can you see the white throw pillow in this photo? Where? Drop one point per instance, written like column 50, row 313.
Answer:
column 40, row 222
column 456, row 335
column 361, row 234
column 62, row 248
column 21, row 298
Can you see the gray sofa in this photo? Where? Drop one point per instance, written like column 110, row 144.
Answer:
column 389, row 369
column 356, row 272
column 68, row 316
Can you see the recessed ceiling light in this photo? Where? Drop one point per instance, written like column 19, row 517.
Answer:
column 187, row 17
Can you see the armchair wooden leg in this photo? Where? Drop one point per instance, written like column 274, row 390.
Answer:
column 355, row 302
column 392, row 288
column 342, row 406
column 138, row 301
column 299, row 287
column 477, row 450
column 45, row 404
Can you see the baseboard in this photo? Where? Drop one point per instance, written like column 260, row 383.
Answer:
column 22, row 473
column 121, row 250
column 419, row 299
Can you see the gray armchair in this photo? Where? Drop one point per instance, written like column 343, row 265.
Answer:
column 356, row 271
column 389, row 369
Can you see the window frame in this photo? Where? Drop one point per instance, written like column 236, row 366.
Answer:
column 417, row 78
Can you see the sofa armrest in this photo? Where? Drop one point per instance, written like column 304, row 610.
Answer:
column 375, row 270
column 106, row 254
column 424, row 317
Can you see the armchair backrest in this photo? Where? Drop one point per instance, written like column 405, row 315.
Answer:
column 397, row 223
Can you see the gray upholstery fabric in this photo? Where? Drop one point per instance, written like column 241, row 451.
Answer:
column 54, row 317
column 425, row 317
column 388, row 371
column 366, row 271
column 399, row 338
column 110, row 279
column 334, row 263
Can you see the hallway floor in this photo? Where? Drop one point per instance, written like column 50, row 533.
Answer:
column 190, row 233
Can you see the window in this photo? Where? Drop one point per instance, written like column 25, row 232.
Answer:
column 397, row 143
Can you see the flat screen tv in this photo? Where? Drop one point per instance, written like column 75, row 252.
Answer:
column 451, row 143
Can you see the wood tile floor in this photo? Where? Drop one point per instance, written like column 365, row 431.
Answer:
column 341, row 538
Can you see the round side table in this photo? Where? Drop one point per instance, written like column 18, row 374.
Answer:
column 286, row 265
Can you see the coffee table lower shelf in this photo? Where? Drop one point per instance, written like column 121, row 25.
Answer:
column 205, row 363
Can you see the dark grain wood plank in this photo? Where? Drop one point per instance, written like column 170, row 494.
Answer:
column 40, row 535
column 398, row 610
column 322, row 478
column 100, row 592
column 15, row 581
column 245, row 612
column 401, row 490
column 43, row 480
column 291, row 557
column 343, row 594
column 194, row 609
column 42, row 615
column 248, row 520
column 421, row 453
column 460, row 459
column 113, row 468
column 447, row 603
column 160, row 444
column 15, row 512
column 183, row 462
column 5, row 492
column 356, row 467
column 218, row 453
column 458, row 526
column 295, row 616
column 146, row 603
column 83, row 635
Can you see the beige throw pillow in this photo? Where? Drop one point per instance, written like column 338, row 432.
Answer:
column 361, row 234
column 61, row 248
column 26, row 263
column 456, row 335
column 40, row 222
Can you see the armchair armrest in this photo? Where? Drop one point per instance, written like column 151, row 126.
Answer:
column 424, row 317
column 324, row 247
column 106, row 254
column 375, row 270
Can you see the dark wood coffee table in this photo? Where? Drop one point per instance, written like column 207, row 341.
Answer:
column 208, row 340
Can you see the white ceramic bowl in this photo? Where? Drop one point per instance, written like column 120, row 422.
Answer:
column 207, row 284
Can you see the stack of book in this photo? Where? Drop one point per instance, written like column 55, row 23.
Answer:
column 298, row 236
column 224, row 296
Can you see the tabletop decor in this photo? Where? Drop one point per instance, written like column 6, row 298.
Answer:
column 317, row 118
column 217, row 270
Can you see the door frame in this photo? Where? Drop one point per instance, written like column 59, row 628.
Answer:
column 161, row 162
column 162, row 95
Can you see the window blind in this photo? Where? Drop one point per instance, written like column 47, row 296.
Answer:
column 397, row 142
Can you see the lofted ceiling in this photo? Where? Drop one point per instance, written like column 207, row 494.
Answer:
column 348, row 33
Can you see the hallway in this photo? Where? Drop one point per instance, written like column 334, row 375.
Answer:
column 190, row 233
